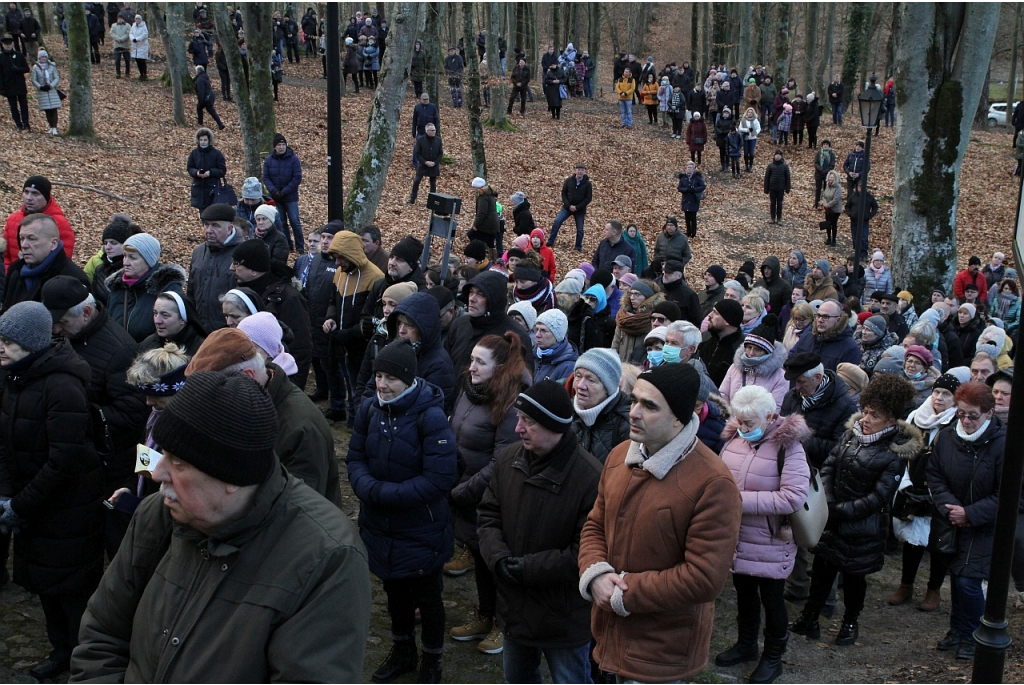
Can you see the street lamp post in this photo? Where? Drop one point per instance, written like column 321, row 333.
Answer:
column 332, row 51
column 870, row 101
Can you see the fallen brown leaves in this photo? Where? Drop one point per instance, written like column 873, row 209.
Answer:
column 141, row 155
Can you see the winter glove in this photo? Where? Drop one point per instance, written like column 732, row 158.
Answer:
column 509, row 570
column 367, row 326
column 45, row 88
column 9, row 521
column 277, row 195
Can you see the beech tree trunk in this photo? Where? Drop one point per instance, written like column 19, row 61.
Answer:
column 556, row 26
column 494, row 78
column 746, row 11
column 857, row 27
column 476, row 131
column 719, row 33
column 432, row 53
column 781, row 69
column 246, row 118
column 694, row 31
column 594, row 42
column 372, row 170
column 811, row 49
column 825, row 56
column 158, row 20
column 79, row 74
column 942, row 55
column 1011, row 88
column 705, row 38
column 180, row 25
column 259, row 43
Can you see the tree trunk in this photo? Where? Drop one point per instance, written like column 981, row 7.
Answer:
column 43, row 17
column 180, row 26
column 811, row 48
column 746, row 11
column 372, row 170
column 705, row 39
column 453, row 32
column 246, row 118
column 158, row 20
column 864, row 70
column 476, row 131
column 432, row 53
column 981, row 113
column 259, row 39
column 495, row 80
column 860, row 17
column 781, row 69
column 594, row 41
column 520, row 41
column 1011, row 88
column 694, row 31
column 574, row 25
column 719, row 33
column 890, row 44
column 825, row 56
column 79, row 73
column 173, row 36
column 761, row 39
column 556, row 26
column 533, row 40
column 942, row 54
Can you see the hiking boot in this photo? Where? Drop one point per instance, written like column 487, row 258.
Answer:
column 930, row 602
column 494, row 643
column 807, row 625
column 948, row 643
column 478, row 628
column 965, row 650
column 459, row 564
column 430, row 668
column 848, row 634
column 401, row 659
column 902, row 595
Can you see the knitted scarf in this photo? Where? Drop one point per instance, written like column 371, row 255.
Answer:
column 589, row 416
column 636, row 322
column 971, row 437
column 926, row 419
column 870, row 438
column 1003, row 304
column 30, row 273
column 811, row 401
column 540, row 293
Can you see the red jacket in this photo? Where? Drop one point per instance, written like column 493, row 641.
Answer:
column 965, row 277
column 547, row 255
column 67, row 235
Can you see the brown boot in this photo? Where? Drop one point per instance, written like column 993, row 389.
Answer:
column 931, row 601
column 902, row 595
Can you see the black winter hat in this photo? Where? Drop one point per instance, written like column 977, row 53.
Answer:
column 40, row 183
column 548, row 404
column 61, row 293
column 218, row 212
column 731, row 311
column 119, row 230
column 253, row 254
column 669, row 309
column 409, row 250
column 515, row 252
column 397, row 359
column 525, row 271
column 679, row 383
column 193, row 429
column 602, row 277
column 476, row 249
column 443, row 295
column 278, row 138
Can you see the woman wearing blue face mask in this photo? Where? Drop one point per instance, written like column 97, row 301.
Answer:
column 918, row 369
column 758, row 440
column 655, row 345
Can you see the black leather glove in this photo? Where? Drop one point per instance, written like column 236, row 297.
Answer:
column 277, row 195
column 366, row 327
column 45, row 88
column 510, row 570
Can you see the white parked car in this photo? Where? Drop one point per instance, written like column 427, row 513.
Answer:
column 997, row 114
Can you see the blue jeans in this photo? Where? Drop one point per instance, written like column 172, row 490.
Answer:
column 890, row 116
column 749, row 145
column 837, row 114
column 522, row 663
column 626, row 112
column 289, row 214
column 968, row 606
column 588, row 87
column 564, row 214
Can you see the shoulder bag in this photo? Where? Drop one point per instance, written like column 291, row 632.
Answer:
column 808, row 522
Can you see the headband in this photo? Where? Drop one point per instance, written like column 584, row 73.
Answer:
column 245, row 299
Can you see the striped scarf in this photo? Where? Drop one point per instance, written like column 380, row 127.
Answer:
column 811, row 401
column 867, row 439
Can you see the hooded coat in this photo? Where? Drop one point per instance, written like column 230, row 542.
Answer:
column 52, row 474
column 522, row 218
column 778, row 288
column 283, row 174
column 860, row 482
column 464, row 332
column 769, row 375
column 588, row 329
column 486, row 219
column 351, row 292
column 718, row 354
column 131, row 306
column 432, row 361
column 765, row 548
column 401, row 468
column 795, row 277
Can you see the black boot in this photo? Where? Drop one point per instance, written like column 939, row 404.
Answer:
column 430, row 668
column 745, row 648
column 807, row 625
column 770, row 666
column 848, row 633
column 400, row 660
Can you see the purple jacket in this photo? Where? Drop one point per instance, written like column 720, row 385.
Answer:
column 763, row 550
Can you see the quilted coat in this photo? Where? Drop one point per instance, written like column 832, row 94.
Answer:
column 769, row 375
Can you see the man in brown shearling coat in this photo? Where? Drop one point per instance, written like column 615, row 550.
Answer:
column 654, row 596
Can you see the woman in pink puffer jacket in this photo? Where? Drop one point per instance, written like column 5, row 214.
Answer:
column 757, row 439
column 758, row 362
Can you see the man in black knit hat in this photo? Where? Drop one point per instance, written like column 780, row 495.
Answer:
column 232, row 523
column 718, row 350
column 535, row 565
column 403, row 267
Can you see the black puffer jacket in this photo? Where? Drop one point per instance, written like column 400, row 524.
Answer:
column 860, row 482
column 109, row 351
column 131, row 306
column 522, row 219
column 950, row 482
column 609, row 430
column 535, row 508
column 588, row 330
column 486, row 220
column 827, row 419
column 50, row 470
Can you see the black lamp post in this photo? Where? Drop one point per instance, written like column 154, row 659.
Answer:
column 870, row 101
column 335, row 184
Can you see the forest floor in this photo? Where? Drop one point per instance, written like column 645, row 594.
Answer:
column 139, row 154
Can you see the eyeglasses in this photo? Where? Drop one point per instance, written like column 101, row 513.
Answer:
column 827, row 317
column 800, row 319
column 972, row 418
column 659, row 320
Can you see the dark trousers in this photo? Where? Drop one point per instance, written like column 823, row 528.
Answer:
column 812, row 137
column 752, row 593
column 486, row 589
column 696, row 155
column 798, row 137
column 141, row 64
column 691, row 223
column 63, row 618
column 310, row 47
column 521, row 93
column 420, row 173
column 355, row 80
column 293, row 49
column 677, row 124
column 405, row 596
column 863, row 235
column 823, row 575
column 723, row 157
column 775, row 199
column 208, row 107
column 912, row 556
column 652, row 114
column 487, row 238
column 832, row 219
column 19, row 110
column 120, row 54
column 94, row 53
column 225, row 85
column 967, row 606
column 51, row 117
column 819, row 185
column 735, row 165
column 417, row 87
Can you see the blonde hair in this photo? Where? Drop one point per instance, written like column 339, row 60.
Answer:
column 754, row 301
column 628, row 378
column 151, row 364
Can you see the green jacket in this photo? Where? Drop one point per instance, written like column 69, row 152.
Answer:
column 121, row 33
column 282, row 594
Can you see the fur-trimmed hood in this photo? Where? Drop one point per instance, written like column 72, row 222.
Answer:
column 908, row 442
column 203, row 131
column 159, row 278
column 768, row 367
column 720, row 404
column 785, row 431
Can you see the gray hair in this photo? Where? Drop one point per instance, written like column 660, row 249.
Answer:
column 924, row 332
column 235, row 301
column 691, row 334
column 817, row 370
column 755, row 301
column 752, row 402
column 79, row 309
column 735, row 285
column 982, row 355
column 257, row 365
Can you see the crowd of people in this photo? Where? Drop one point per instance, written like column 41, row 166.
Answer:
column 604, row 446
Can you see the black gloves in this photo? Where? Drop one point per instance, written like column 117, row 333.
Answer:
column 45, row 88
column 510, row 570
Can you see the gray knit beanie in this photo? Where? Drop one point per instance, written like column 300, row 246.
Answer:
column 147, row 246
column 28, row 324
column 556, row 322
column 604, row 364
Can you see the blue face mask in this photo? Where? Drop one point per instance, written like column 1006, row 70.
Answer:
column 915, row 377
column 752, row 436
column 670, row 354
column 655, row 357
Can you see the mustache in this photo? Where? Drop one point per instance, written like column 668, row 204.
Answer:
column 168, row 492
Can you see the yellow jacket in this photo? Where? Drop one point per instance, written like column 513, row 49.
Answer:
column 625, row 88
